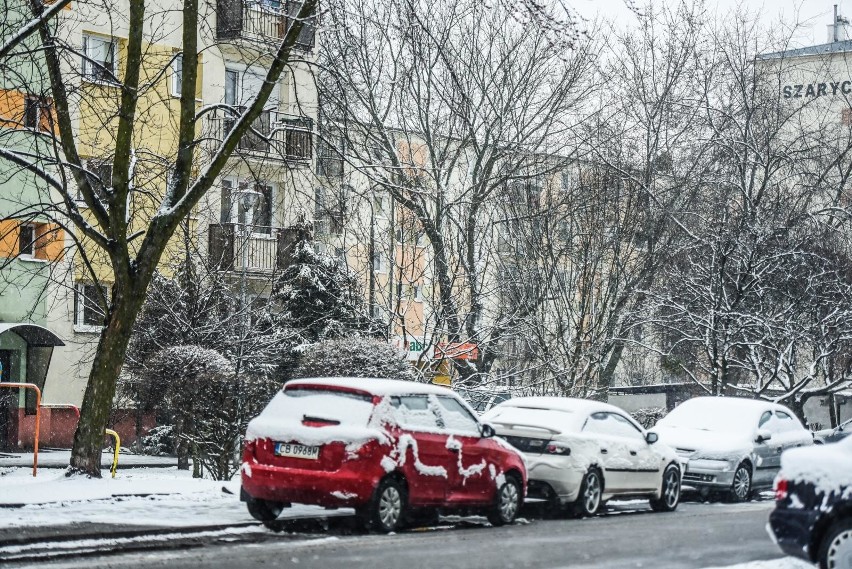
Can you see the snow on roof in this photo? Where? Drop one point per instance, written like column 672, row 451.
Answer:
column 375, row 386
column 732, row 403
column 827, row 467
column 569, row 404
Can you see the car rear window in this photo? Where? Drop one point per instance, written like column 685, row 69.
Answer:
column 334, row 406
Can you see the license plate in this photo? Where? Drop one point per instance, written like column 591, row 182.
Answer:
column 296, row 451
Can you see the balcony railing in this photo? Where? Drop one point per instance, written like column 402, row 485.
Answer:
column 273, row 135
column 263, row 20
column 235, row 247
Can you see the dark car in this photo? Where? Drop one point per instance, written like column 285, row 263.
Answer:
column 834, row 435
column 812, row 518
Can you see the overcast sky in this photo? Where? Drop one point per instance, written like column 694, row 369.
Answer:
column 812, row 15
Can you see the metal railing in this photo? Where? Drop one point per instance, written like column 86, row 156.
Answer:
column 262, row 20
column 273, row 135
column 232, row 247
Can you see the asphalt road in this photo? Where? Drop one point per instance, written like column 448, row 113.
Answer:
column 695, row 536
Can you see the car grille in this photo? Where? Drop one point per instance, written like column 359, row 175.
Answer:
column 528, row 444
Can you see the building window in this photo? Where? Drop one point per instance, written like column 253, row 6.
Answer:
column 26, row 241
column 89, row 308
column 37, row 113
column 330, row 155
column 380, row 208
column 418, row 293
column 226, row 204
column 379, row 264
column 99, row 58
column 177, row 75
column 99, row 174
column 846, row 117
column 232, row 86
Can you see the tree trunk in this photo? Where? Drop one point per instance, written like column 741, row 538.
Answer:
column 100, row 390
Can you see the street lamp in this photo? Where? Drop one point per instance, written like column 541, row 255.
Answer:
column 248, row 198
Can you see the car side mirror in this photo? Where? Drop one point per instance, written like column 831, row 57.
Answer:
column 762, row 436
column 487, row 431
column 651, row 438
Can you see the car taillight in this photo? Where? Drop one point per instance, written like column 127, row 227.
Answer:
column 248, row 450
column 780, row 489
column 557, row 448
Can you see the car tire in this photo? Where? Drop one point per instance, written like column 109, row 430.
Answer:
column 591, row 490
column 507, row 502
column 741, row 486
column 835, row 551
column 388, row 507
column 264, row 510
column 669, row 491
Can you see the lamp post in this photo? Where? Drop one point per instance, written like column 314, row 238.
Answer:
column 247, row 198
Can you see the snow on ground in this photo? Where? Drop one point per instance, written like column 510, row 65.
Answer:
column 783, row 563
column 164, row 497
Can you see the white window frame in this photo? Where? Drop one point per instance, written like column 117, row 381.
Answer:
column 88, row 66
column 381, row 266
column 80, row 308
column 177, row 74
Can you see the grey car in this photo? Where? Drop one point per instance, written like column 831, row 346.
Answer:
column 733, row 445
column 834, row 435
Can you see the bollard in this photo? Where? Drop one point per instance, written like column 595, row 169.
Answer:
column 114, row 435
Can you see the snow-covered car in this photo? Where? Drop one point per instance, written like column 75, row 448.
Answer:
column 834, row 435
column 384, row 447
column 812, row 518
column 733, row 445
column 581, row 453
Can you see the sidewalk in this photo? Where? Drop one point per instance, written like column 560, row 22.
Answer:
column 59, row 458
column 138, row 501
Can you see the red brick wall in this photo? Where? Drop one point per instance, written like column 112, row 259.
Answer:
column 57, row 426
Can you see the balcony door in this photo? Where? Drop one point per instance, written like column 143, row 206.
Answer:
column 232, row 206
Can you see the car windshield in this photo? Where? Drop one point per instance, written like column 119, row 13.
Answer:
column 712, row 415
column 322, row 405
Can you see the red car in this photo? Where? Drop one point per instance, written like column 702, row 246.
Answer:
column 387, row 448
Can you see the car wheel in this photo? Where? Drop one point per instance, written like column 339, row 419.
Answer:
column 264, row 510
column 389, row 505
column 507, row 503
column 835, row 551
column 591, row 490
column 670, row 491
column 741, row 486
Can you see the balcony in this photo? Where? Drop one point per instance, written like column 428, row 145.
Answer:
column 264, row 21
column 274, row 135
column 231, row 247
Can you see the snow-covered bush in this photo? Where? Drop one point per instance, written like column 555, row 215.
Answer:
column 207, row 405
column 648, row 416
column 159, row 441
column 354, row 357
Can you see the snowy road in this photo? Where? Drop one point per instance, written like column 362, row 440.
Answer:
column 696, row 536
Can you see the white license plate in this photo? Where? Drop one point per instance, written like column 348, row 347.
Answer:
column 296, row 451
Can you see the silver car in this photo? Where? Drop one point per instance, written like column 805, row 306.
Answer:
column 733, row 445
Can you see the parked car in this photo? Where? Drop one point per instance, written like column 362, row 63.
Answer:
column 834, row 435
column 812, row 518
column 386, row 448
column 733, row 445
column 581, row 453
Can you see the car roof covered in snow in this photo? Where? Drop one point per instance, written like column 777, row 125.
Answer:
column 373, row 386
column 740, row 404
column 567, row 404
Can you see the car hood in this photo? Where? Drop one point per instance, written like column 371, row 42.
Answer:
column 703, row 443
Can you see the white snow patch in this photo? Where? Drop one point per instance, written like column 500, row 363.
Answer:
column 827, row 467
column 343, row 495
column 782, row 563
column 407, row 441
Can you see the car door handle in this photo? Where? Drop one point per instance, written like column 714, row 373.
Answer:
column 604, row 451
column 632, row 453
column 779, row 449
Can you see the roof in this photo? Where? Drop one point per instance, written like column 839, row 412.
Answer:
column 375, row 386
column 737, row 403
column 35, row 336
column 569, row 404
column 822, row 49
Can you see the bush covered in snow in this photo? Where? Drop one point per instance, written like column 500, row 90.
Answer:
column 354, row 357
column 648, row 416
column 207, row 405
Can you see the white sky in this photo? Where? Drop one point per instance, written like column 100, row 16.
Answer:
column 812, row 15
